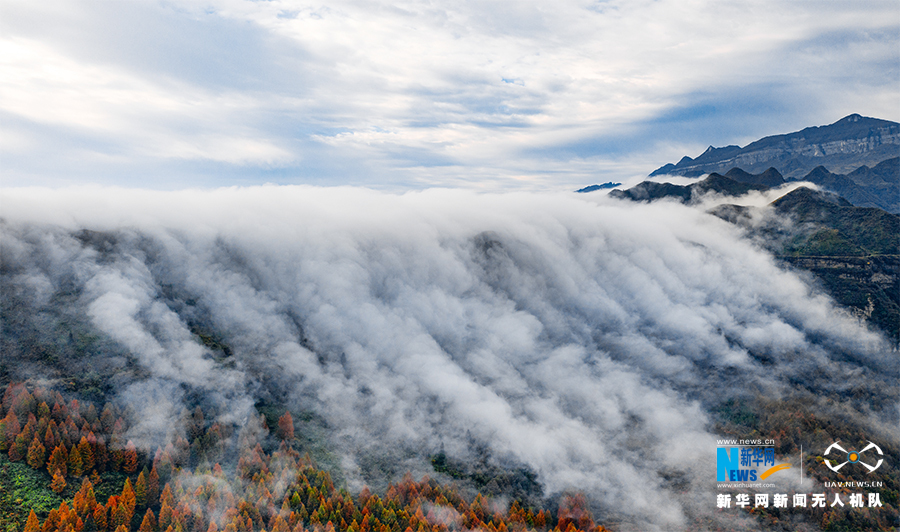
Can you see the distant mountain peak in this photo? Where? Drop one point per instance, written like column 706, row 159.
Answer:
column 841, row 147
column 592, row 188
column 849, row 119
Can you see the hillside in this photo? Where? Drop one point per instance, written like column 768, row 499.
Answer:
column 864, row 187
column 540, row 357
column 853, row 251
column 725, row 185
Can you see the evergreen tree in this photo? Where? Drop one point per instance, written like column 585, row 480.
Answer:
column 149, row 522
column 286, row 427
column 128, row 499
column 100, row 518
column 59, row 482
column 33, row 524
column 152, row 487
column 130, row 459
column 36, row 454
column 140, row 490
column 87, row 453
column 58, row 460
column 76, row 466
column 19, row 448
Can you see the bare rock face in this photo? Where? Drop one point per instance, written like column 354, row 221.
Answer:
column 842, row 147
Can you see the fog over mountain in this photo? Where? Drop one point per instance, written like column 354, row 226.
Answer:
column 586, row 339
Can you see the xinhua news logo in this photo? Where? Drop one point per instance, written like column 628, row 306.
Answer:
column 852, row 457
column 746, row 464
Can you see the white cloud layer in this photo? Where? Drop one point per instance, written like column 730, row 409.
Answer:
column 583, row 337
column 413, row 94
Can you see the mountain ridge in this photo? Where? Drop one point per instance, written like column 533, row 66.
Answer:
column 841, row 147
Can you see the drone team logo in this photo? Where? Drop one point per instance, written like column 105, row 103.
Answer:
column 852, row 457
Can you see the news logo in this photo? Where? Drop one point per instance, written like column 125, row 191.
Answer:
column 852, row 457
column 746, row 464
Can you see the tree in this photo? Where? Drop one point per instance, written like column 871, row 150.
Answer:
column 129, row 465
column 87, row 453
column 166, row 515
column 59, row 482
column 153, row 487
column 128, row 499
column 51, row 440
column 140, row 490
column 286, row 427
column 120, row 517
column 76, row 466
column 33, row 524
column 58, row 460
column 149, row 522
column 11, row 429
column 107, row 418
column 84, row 501
column 100, row 518
column 574, row 510
column 36, row 454
column 19, row 448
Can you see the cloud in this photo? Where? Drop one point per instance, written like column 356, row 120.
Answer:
column 371, row 93
column 585, row 338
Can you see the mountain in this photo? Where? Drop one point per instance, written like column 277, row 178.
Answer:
column 852, row 251
column 834, row 227
column 591, row 188
column 723, row 184
column 265, row 352
column 769, row 178
column 843, row 146
column 864, row 187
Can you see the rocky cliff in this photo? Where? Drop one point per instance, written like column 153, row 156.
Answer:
column 842, row 147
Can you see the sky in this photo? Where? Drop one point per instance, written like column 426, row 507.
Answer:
column 406, row 95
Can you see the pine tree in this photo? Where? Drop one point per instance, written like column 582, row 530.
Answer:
column 51, row 439
column 100, row 518
column 286, row 427
column 140, row 490
column 58, row 460
column 166, row 515
column 59, row 482
column 129, row 464
column 120, row 517
column 33, row 524
column 107, row 418
column 19, row 448
column 43, row 410
column 76, row 466
column 149, row 522
column 153, row 487
column 128, row 499
column 87, row 453
column 36, row 453
column 11, row 429
column 167, row 497
column 84, row 500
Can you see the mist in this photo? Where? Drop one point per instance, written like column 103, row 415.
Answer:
column 584, row 338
